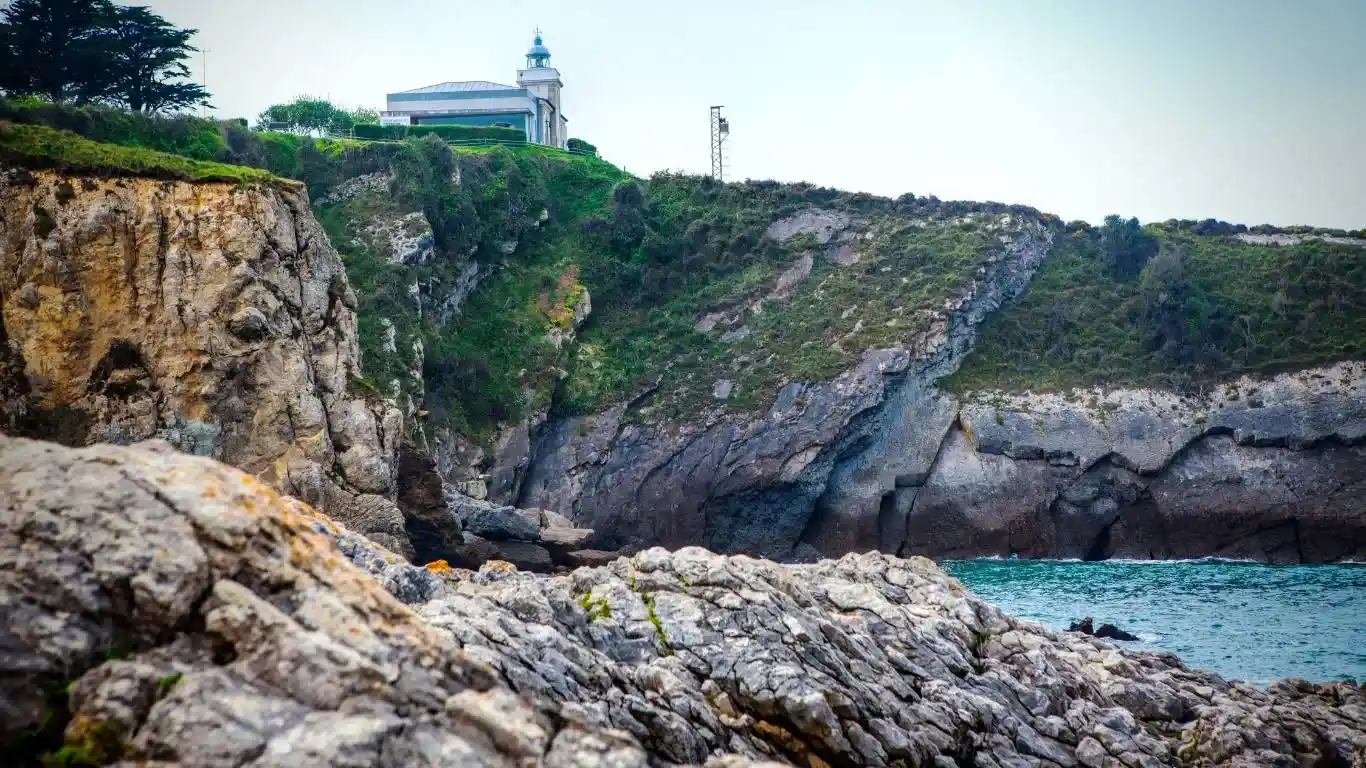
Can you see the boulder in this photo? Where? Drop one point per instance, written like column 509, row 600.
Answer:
column 1111, row 632
column 219, row 623
column 493, row 521
column 1087, row 626
column 523, row 554
column 472, row 552
column 566, row 538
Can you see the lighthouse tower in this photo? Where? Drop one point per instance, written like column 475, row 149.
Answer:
column 542, row 82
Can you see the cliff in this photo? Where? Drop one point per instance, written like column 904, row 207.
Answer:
column 775, row 369
column 215, row 316
column 781, row 370
column 165, row 609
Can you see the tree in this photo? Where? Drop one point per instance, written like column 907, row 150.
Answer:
column 148, row 58
column 93, row 50
column 1127, row 247
column 307, row 115
column 54, row 48
column 364, row 115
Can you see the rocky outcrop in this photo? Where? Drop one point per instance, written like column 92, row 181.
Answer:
column 1270, row 470
column 808, row 476
column 164, row 609
column 214, row 316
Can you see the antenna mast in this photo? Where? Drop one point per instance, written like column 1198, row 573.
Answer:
column 720, row 130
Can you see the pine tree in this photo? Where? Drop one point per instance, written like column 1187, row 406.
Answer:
column 148, row 60
column 54, row 48
column 93, row 50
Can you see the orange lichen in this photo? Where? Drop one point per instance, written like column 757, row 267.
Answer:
column 440, row 568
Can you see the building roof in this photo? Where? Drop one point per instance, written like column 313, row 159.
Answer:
column 460, row 85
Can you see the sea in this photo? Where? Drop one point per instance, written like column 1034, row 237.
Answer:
column 1245, row 621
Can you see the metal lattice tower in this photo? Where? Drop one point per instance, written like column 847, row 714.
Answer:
column 720, row 129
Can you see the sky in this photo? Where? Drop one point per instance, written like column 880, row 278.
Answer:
column 1250, row 111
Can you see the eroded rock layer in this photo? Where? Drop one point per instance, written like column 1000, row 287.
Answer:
column 202, row 619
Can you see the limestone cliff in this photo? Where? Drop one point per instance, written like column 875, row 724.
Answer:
column 881, row 458
column 163, row 609
column 215, row 316
column 762, row 372
column 808, row 474
column 1271, row 470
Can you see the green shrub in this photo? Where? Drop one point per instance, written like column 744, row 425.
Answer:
column 1205, row 309
column 579, row 145
column 1126, row 245
column 468, row 132
column 40, row 146
column 377, row 132
column 192, row 137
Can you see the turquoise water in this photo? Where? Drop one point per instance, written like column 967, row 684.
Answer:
column 1243, row 620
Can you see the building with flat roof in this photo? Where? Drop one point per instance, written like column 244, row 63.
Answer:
column 533, row 105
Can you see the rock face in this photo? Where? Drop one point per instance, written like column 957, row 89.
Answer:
column 203, row 620
column 1265, row 470
column 881, row 459
column 213, row 316
column 813, row 474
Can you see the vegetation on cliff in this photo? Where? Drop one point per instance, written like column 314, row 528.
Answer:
column 688, row 290
column 40, row 146
column 320, row 163
column 658, row 257
column 1207, row 307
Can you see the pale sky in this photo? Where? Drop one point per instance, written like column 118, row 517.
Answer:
column 1252, row 111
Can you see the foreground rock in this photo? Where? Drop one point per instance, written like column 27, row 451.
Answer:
column 206, row 620
column 201, row 619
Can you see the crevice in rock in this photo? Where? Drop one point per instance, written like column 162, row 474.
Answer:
column 1099, row 548
column 1299, row 543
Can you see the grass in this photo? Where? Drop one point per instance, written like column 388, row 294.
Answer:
column 40, row 146
column 1243, row 310
column 595, row 609
column 194, row 137
column 889, row 297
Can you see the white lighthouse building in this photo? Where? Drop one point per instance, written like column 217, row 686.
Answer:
column 533, row 105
